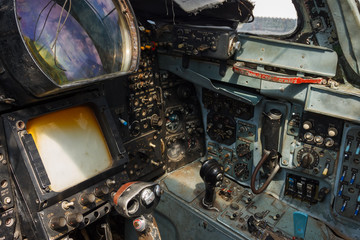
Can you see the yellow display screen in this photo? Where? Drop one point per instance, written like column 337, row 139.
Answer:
column 71, row 145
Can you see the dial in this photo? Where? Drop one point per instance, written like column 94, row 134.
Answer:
column 176, row 151
column 242, row 149
column 173, row 122
column 221, row 128
column 307, row 158
column 241, row 171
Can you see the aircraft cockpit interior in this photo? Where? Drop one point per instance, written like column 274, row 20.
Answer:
column 179, row 120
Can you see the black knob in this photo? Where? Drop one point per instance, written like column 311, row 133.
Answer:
column 87, row 199
column 57, row 223
column 74, row 219
column 307, row 161
column 101, row 191
column 212, row 173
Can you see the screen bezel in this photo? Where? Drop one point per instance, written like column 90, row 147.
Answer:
column 20, row 159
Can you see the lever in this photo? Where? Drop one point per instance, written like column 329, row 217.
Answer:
column 271, row 133
column 137, row 200
column 300, row 222
column 212, row 174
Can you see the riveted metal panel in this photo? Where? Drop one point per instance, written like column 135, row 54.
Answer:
column 294, row 56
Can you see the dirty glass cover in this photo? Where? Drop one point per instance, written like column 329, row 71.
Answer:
column 71, row 145
column 73, row 41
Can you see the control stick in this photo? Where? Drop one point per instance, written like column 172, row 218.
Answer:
column 212, row 173
column 137, row 200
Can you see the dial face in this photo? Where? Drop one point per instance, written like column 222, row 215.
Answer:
column 221, row 128
column 176, row 151
column 242, row 149
column 307, row 158
column 241, row 171
column 173, row 122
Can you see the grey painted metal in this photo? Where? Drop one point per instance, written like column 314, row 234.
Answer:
column 294, row 56
column 205, row 82
column 292, row 92
column 333, row 103
column 211, row 71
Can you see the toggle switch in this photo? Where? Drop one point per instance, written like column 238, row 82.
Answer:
column 344, row 206
column 343, row 176
column 341, row 190
column 326, row 169
column 352, row 180
column 357, row 210
column 357, row 152
column 66, row 205
column 348, row 145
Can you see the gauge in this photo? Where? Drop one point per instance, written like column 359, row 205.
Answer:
column 176, row 151
column 221, row 128
column 307, row 158
column 242, row 149
column 173, row 122
column 241, row 171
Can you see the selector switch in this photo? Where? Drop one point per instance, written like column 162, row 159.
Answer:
column 57, row 223
column 87, row 199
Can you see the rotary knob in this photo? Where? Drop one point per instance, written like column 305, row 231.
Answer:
column 332, row 132
column 319, row 140
column 307, row 158
column 87, row 199
column 307, row 125
column 101, row 191
column 309, row 136
column 74, row 219
column 57, row 223
column 329, row 142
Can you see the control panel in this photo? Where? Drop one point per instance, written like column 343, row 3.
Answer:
column 302, row 188
column 232, row 134
column 321, row 131
column 195, row 41
column 317, row 140
column 184, row 131
column 80, row 209
column 163, row 120
column 347, row 198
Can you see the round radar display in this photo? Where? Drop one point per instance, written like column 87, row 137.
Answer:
column 71, row 42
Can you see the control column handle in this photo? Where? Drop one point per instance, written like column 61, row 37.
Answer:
column 136, row 201
column 212, row 173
